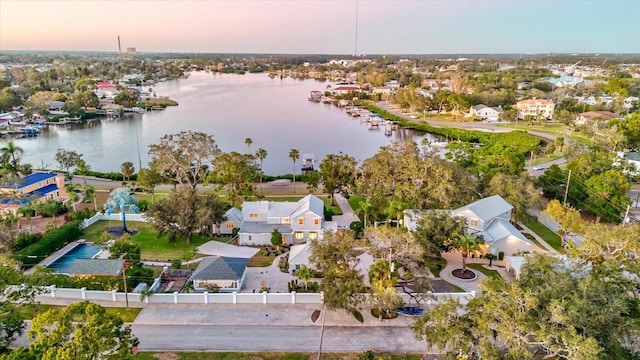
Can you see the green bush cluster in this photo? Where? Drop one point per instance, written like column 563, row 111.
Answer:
column 82, row 214
column 52, row 241
column 294, row 285
column 274, row 250
column 23, row 240
column 283, row 264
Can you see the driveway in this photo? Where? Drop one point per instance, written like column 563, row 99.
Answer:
column 348, row 216
column 270, row 276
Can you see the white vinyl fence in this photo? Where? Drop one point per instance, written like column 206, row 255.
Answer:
column 227, row 298
column 116, row 217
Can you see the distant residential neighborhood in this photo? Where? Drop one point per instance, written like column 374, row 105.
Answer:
column 510, row 229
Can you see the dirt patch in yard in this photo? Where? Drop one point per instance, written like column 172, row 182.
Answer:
column 38, row 224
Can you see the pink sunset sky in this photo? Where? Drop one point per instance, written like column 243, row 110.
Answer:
column 322, row 27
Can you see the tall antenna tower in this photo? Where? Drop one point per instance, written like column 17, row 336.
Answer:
column 119, row 48
column 355, row 53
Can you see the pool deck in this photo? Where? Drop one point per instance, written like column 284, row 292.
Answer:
column 62, row 252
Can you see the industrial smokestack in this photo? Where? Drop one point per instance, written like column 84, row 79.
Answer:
column 119, row 48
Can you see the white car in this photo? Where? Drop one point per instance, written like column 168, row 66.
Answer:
column 414, row 116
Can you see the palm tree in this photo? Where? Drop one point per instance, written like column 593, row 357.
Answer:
column 261, row 154
column 364, row 208
column 304, row 274
column 90, row 195
column 294, row 155
column 82, row 168
column 127, row 170
column 248, row 142
column 10, row 157
column 466, row 244
column 11, row 154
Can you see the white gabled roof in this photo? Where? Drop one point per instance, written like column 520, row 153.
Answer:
column 501, row 229
column 309, row 203
column 233, row 214
column 299, row 254
column 279, row 209
column 487, row 208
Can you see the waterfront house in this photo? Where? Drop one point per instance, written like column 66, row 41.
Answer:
column 538, row 108
column 590, row 117
column 36, row 187
column 298, row 222
column 224, row 274
column 485, row 113
column 488, row 218
column 345, row 89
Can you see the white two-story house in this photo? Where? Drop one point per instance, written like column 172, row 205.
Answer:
column 488, row 218
column 298, row 222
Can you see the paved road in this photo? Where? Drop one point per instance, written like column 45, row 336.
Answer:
column 275, row 338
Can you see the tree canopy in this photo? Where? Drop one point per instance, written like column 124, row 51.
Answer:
column 83, row 330
column 182, row 157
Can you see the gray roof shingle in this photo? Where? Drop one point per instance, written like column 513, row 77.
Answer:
column 220, row 268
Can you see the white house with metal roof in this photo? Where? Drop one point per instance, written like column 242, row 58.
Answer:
column 298, row 222
column 488, row 218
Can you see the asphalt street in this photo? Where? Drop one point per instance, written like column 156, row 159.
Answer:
column 276, row 338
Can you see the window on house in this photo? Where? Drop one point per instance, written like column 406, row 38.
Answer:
column 57, row 193
column 316, row 221
column 253, row 216
column 249, row 237
column 301, row 221
column 474, row 222
column 313, row 235
column 229, row 225
column 284, row 239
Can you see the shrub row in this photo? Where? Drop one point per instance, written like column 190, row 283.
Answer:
column 51, row 241
column 115, row 176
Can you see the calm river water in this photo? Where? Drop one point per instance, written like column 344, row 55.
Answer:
column 274, row 113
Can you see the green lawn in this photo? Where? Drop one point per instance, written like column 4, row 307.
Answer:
column 354, row 202
column 546, row 234
column 153, row 247
column 259, row 260
column 534, row 240
column 269, row 356
column 482, row 269
column 128, row 315
column 436, row 265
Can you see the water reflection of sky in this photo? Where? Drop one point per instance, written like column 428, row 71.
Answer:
column 274, row 113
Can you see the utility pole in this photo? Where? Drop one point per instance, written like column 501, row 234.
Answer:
column 637, row 198
column 626, row 216
column 324, row 311
column 566, row 190
column 124, row 282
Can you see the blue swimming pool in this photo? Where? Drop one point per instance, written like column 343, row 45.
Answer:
column 81, row 251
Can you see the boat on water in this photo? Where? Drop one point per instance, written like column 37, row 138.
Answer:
column 438, row 143
column 17, row 123
column 388, row 128
column 315, row 96
column 29, row 129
